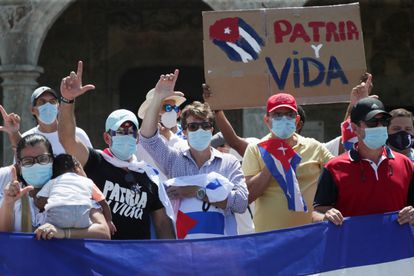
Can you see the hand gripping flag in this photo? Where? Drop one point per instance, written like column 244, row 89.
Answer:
column 197, row 219
column 237, row 39
column 349, row 137
column 282, row 160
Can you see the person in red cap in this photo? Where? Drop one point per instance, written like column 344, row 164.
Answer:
column 283, row 168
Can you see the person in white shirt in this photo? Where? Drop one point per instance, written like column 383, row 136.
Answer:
column 45, row 108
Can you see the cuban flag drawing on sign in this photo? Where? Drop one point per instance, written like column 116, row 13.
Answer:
column 282, row 161
column 237, row 39
column 349, row 137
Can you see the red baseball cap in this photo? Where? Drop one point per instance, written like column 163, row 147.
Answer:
column 281, row 100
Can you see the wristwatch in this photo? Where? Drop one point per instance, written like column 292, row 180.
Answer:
column 201, row 193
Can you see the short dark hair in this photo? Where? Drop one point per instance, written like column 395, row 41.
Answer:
column 32, row 140
column 302, row 114
column 198, row 110
column 64, row 163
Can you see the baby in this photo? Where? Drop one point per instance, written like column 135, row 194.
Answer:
column 66, row 198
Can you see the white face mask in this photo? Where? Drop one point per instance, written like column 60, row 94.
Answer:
column 169, row 119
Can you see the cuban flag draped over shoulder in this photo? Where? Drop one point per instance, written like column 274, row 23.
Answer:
column 198, row 219
column 237, row 39
column 282, row 161
column 349, row 137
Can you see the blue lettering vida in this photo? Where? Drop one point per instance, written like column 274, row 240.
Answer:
column 334, row 72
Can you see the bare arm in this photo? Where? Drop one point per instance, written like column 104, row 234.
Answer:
column 164, row 88
column 163, row 225
column 327, row 213
column 97, row 230
column 12, row 193
column 258, row 183
column 70, row 88
column 11, row 127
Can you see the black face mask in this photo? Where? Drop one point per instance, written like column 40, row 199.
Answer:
column 400, row 140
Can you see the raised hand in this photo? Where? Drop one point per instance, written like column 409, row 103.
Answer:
column 362, row 90
column 206, row 92
column 11, row 121
column 13, row 191
column 71, row 86
column 165, row 85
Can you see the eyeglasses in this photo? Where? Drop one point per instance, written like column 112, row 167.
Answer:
column 124, row 131
column 169, row 107
column 40, row 159
column 195, row 126
column 375, row 121
column 280, row 115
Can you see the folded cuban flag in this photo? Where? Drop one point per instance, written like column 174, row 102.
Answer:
column 282, row 160
column 198, row 219
column 237, row 39
column 349, row 137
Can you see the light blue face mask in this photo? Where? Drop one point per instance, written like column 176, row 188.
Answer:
column 375, row 137
column 283, row 127
column 47, row 113
column 37, row 175
column 123, row 146
column 199, row 139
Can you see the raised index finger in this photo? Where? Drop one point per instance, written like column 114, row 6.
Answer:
column 3, row 112
column 79, row 72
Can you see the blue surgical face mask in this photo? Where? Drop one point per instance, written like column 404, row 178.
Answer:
column 47, row 113
column 199, row 139
column 375, row 137
column 283, row 127
column 123, row 146
column 37, row 175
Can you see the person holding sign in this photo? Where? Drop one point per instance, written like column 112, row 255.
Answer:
column 282, row 169
column 370, row 178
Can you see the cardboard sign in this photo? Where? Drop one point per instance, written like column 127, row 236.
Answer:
column 314, row 53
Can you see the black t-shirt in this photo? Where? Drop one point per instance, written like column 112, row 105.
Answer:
column 131, row 196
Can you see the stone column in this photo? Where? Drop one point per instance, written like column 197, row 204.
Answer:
column 19, row 81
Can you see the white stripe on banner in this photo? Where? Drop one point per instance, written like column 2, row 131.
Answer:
column 400, row 267
column 243, row 54
column 250, row 39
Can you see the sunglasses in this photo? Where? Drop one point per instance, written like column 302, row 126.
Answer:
column 124, row 131
column 195, row 126
column 375, row 121
column 169, row 108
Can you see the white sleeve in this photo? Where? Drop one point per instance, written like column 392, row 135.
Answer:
column 81, row 134
column 45, row 191
column 5, row 178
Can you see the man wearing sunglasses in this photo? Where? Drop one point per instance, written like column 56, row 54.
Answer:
column 130, row 186
column 200, row 159
column 169, row 113
column 368, row 179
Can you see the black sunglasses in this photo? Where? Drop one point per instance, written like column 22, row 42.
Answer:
column 169, row 107
column 375, row 121
column 195, row 126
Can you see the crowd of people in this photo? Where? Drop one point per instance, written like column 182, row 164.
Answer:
column 172, row 178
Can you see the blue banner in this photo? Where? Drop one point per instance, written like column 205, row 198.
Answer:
column 315, row 248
